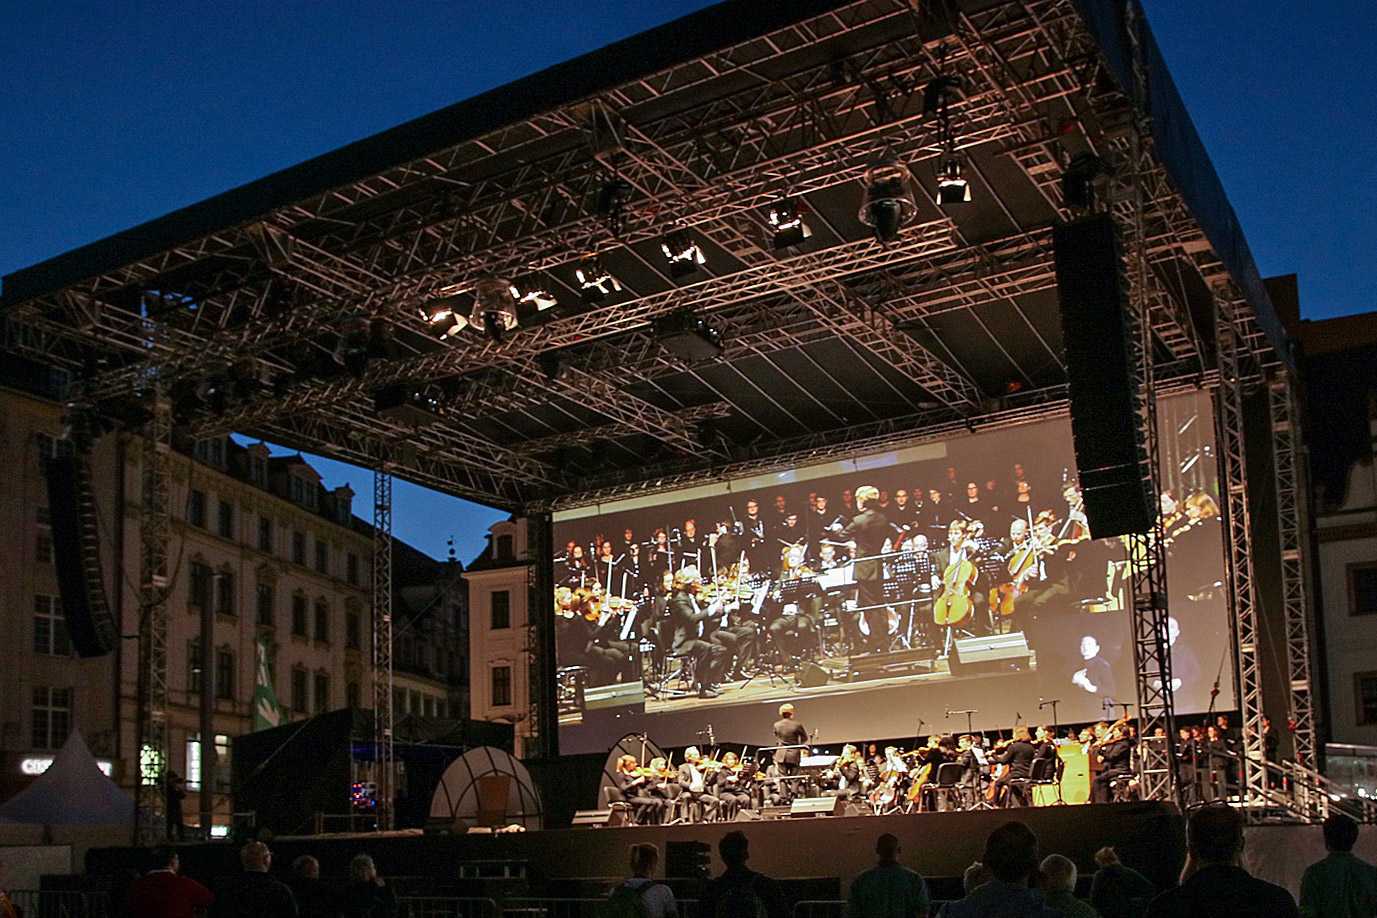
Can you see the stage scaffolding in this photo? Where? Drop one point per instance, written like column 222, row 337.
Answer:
column 384, row 762
column 155, row 580
column 852, row 346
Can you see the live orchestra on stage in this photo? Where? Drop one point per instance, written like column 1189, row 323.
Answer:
column 1026, row 766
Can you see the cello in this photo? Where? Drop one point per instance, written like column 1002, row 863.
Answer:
column 954, row 603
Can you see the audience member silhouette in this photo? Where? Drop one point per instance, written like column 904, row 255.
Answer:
column 1011, row 853
column 889, row 889
column 1119, row 891
column 1058, row 884
column 1213, row 885
column 1341, row 885
column 740, row 892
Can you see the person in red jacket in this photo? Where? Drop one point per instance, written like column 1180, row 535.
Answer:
column 163, row 893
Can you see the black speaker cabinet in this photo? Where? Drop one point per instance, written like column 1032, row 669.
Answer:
column 76, row 556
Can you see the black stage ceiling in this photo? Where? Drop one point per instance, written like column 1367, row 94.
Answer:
column 278, row 309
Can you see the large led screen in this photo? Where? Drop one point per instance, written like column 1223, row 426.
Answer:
column 885, row 596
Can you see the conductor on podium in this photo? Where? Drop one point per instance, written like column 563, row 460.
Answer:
column 789, row 732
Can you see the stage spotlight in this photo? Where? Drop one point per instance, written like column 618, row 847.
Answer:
column 685, row 256
column 595, row 281
column 1079, row 180
column 687, row 336
column 538, row 296
column 786, row 220
column 444, row 317
column 951, row 187
column 494, row 307
column 889, row 203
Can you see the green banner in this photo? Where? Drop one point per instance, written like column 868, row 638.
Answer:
column 266, row 712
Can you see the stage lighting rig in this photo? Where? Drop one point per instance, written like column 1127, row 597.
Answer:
column 611, row 204
column 405, row 403
column 595, row 282
column 352, row 352
column 494, row 307
column 687, row 336
column 788, row 225
column 444, row 317
column 537, row 295
column 889, row 203
column 682, row 251
column 952, row 188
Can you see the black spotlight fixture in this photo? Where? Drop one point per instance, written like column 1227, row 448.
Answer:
column 1079, row 180
column 612, row 197
column 494, row 307
column 888, row 205
column 787, row 224
column 352, row 352
column 682, row 252
column 952, row 188
column 445, row 317
column 596, row 283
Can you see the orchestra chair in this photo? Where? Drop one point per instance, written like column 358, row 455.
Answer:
column 1041, row 772
column 683, row 673
column 948, row 786
column 1048, row 773
column 622, row 811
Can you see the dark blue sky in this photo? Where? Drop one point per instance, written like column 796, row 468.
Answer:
column 110, row 120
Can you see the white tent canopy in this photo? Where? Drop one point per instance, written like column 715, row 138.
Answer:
column 73, row 791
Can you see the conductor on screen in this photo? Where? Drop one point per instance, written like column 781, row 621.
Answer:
column 866, row 534
column 789, row 732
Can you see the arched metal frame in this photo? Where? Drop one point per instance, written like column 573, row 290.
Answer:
column 456, row 796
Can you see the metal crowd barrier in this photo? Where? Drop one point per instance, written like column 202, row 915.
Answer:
column 446, row 907
column 43, row 903
column 820, row 908
column 513, row 907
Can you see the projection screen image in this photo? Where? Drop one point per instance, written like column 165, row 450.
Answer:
column 884, row 596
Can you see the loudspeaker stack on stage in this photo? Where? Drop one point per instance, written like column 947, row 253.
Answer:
column 1111, row 457
column 76, row 554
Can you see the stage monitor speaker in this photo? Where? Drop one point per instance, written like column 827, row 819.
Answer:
column 76, row 556
column 1110, row 455
column 991, row 653
column 811, row 675
column 592, row 818
column 817, row 806
column 774, row 812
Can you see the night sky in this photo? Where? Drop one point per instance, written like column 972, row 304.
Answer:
column 109, row 121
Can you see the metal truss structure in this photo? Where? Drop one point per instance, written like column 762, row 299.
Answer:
column 154, row 586
column 1289, row 468
column 384, row 762
column 838, row 346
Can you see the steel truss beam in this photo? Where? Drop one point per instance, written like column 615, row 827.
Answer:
column 155, row 583
column 384, row 761
column 1289, row 468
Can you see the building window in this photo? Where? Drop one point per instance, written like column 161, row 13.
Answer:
column 1366, row 687
column 196, row 508
column 199, row 574
column 1362, row 588
column 501, row 609
column 224, row 673
column 50, row 627
column 430, row 706
column 222, row 762
column 43, row 550
column 353, row 696
column 299, row 548
column 52, row 717
column 322, row 557
column 303, row 491
column 224, row 594
column 351, row 568
column 398, row 702
column 322, row 622
column 193, row 667
column 501, row 685
column 211, row 452
column 322, row 692
column 265, row 534
column 258, row 470
column 299, row 703
column 413, row 703
column 264, row 607
column 299, row 615
column 504, row 548
column 224, row 523
column 353, row 629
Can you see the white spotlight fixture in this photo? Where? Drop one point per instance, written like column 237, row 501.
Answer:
column 595, row 282
column 494, row 307
column 539, row 297
column 684, row 254
column 443, row 317
column 951, row 187
column 786, row 220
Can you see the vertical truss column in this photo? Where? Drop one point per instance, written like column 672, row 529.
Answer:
column 1157, row 766
column 154, row 528
column 1289, row 468
column 1239, row 551
column 384, row 764
column 543, row 715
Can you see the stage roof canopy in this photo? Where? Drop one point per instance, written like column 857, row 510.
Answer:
column 280, row 309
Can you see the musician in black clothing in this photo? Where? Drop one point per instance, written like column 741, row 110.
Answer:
column 755, row 535
column 789, row 732
column 903, row 516
column 691, row 545
column 1115, row 755
column 868, row 531
column 633, row 785
column 1018, row 755
column 687, row 623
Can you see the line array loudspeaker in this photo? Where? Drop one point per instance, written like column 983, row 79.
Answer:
column 76, row 555
column 1111, row 458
